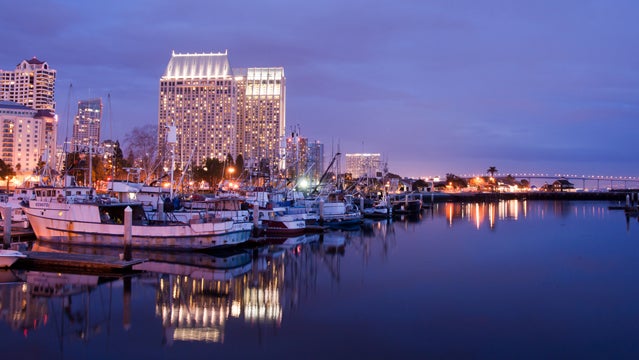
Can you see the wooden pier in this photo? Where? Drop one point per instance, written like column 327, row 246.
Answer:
column 51, row 261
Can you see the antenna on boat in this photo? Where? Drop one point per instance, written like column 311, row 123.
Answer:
column 111, row 136
column 66, row 134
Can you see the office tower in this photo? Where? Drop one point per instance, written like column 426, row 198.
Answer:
column 262, row 114
column 23, row 137
column 198, row 97
column 315, row 161
column 296, row 158
column 86, row 125
column 220, row 111
column 363, row 165
column 31, row 84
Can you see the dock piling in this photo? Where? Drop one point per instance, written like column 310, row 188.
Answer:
column 128, row 232
column 6, row 215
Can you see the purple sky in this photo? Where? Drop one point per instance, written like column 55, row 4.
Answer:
column 436, row 87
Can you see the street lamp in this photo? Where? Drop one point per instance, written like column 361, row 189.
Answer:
column 231, row 170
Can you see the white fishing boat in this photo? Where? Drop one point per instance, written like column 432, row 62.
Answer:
column 157, row 203
column 8, row 257
column 75, row 216
column 14, row 201
column 277, row 222
column 378, row 211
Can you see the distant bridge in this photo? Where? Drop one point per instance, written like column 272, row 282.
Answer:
column 596, row 182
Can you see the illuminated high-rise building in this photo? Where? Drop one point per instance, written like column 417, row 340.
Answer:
column 315, row 165
column 262, row 113
column 24, row 136
column 363, row 165
column 296, row 158
column 31, row 84
column 220, row 111
column 31, row 135
column 86, row 125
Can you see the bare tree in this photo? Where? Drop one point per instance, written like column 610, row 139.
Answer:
column 142, row 142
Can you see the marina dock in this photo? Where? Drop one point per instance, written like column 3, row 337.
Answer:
column 37, row 260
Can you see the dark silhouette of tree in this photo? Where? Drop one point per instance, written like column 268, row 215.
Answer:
column 239, row 164
column 492, row 171
column 6, row 172
column 142, row 142
column 456, row 181
column 264, row 169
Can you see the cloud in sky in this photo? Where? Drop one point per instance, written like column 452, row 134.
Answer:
column 436, row 87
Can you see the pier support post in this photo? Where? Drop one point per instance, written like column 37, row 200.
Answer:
column 361, row 204
column 160, row 211
column 627, row 200
column 128, row 232
column 321, row 210
column 6, row 215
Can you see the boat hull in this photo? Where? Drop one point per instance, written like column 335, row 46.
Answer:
column 48, row 226
column 284, row 228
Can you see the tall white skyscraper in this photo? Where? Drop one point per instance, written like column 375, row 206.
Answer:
column 220, row 111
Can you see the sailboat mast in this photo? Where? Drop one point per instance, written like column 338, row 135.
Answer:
column 171, row 140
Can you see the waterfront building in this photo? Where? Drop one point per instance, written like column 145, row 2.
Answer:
column 363, row 165
column 86, row 125
column 31, row 83
column 219, row 111
column 27, row 134
column 262, row 113
column 296, row 156
column 315, row 165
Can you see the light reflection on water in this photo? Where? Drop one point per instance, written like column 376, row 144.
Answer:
column 503, row 279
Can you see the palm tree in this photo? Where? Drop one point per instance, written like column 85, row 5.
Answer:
column 492, row 170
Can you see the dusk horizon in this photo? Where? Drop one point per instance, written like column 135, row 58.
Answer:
column 434, row 87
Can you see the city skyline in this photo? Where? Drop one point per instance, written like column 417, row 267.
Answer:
column 434, row 87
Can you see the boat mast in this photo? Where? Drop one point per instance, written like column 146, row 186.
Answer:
column 171, row 139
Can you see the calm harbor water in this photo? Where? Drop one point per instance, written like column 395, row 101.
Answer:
column 513, row 279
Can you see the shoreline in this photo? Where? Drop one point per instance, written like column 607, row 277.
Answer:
column 619, row 195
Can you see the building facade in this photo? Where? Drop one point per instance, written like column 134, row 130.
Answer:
column 220, row 111
column 315, row 161
column 86, row 125
column 363, row 165
column 27, row 116
column 296, row 158
column 23, row 137
column 262, row 113
column 31, row 83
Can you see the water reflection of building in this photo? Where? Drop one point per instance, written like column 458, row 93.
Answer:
column 41, row 297
column 193, row 309
column 480, row 213
column 195, row 301
column 18, row 309
column 198, row 308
